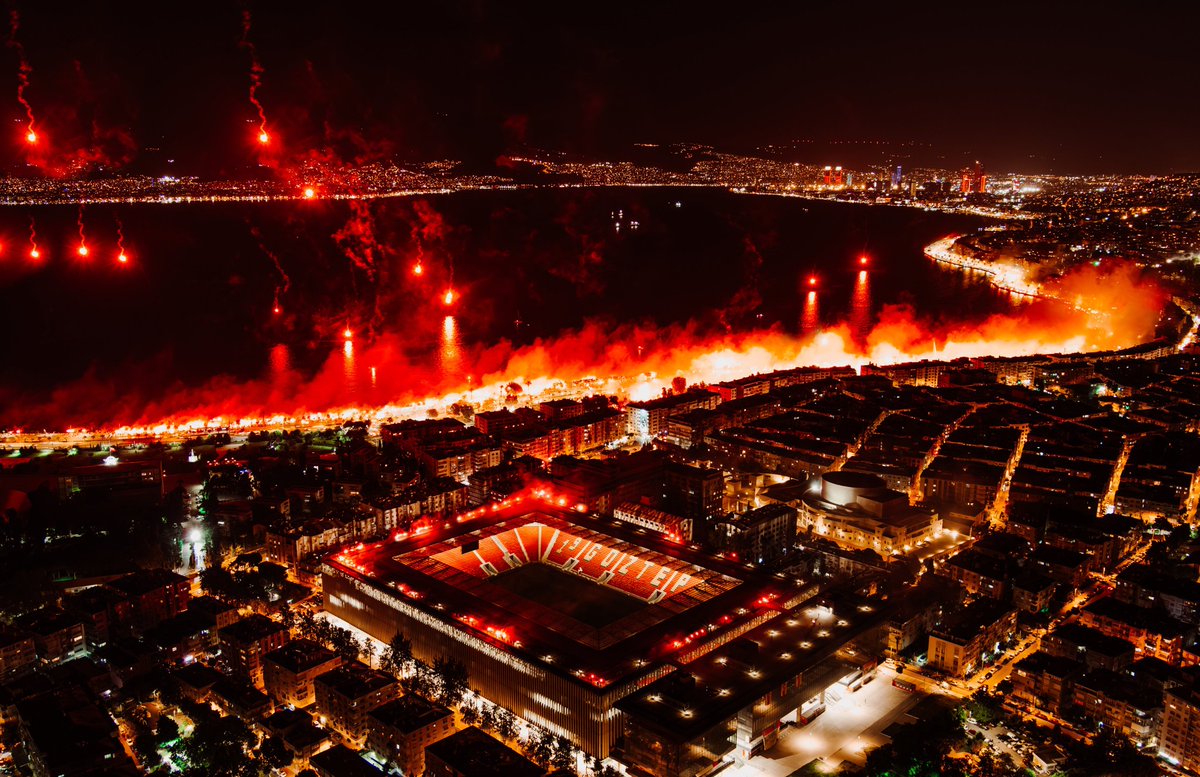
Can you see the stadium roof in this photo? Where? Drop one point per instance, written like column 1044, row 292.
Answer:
column 441, row 573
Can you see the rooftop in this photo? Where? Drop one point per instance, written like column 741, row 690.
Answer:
column 355, row 681
column 472, row 752
column 341, row 761
column 300, row 655
column 1090, row 639
column 410, row 713
column 801, row 641
column 146, row 581
column 252, row 628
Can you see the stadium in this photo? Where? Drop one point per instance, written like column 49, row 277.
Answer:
column 558, row 615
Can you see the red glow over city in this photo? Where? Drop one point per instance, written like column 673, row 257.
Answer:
column 1113, row 307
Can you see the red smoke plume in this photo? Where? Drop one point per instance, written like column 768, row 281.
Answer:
column 23, row 71
column 256, row 73
column 285, row 282
column 633, row 360
column 357, row 238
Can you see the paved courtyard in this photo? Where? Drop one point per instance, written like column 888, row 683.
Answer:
column 848, row 729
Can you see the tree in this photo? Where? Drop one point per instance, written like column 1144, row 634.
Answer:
column 274, row 575
column 397, row 655
column 564, row 753
column 168, row 730
column 220, row 583
column 275, row 753
column 487, row 717
column 218, row 747
column 470, row 714
column 1109, row 755
column 506, row 723
column 539, row 746
column 422, row 680
column 452, row 680
column 286, row 616
column 344, row 644
column 983, row 708
column 147, row 750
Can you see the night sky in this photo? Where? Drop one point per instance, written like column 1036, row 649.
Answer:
column 1061, row 87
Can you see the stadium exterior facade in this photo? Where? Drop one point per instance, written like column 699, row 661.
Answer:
column 438, row 589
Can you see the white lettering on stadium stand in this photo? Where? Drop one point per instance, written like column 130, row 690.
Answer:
column 599, row 561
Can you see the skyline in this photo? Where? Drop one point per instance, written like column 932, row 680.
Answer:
column 471, row 82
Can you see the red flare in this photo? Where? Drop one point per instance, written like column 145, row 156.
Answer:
column 31, row 137
column 33, row 249
column 449, row 297
column 418, row 269
column 347, row 333
column 862, row 260
column 310, row 192
column 121, row 257
column 263, row 137
column 83, row 249
column 812, row 280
